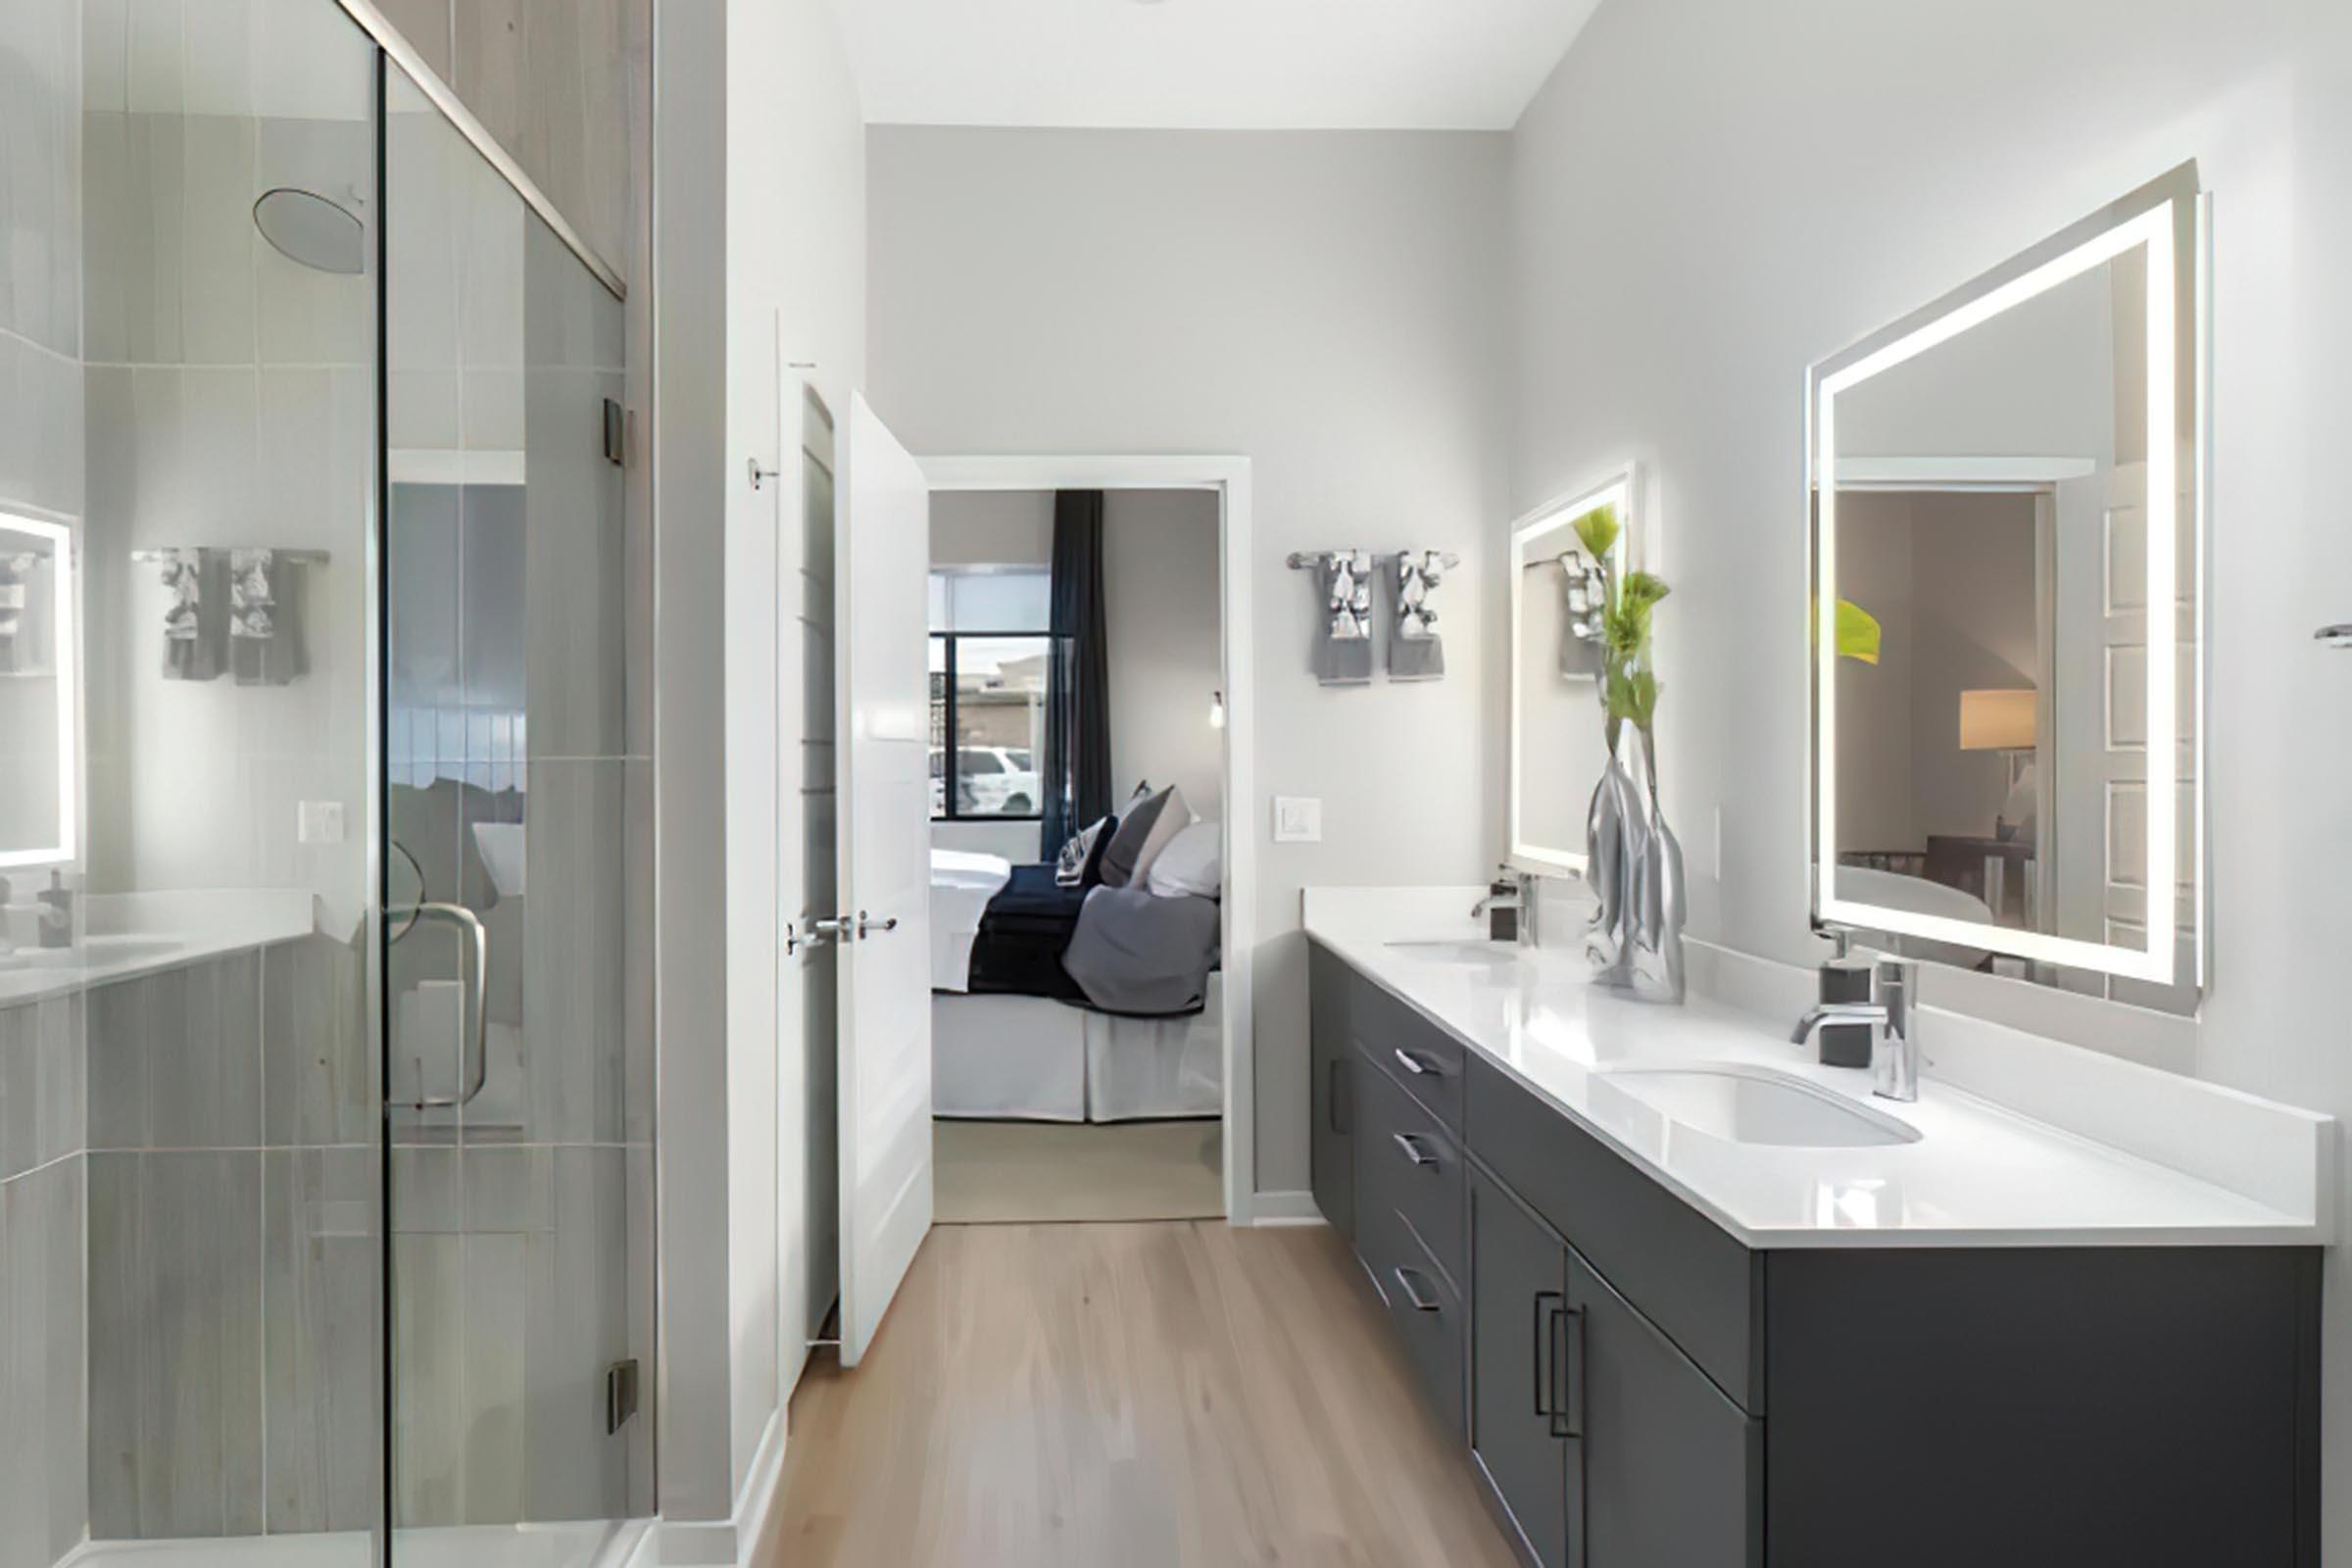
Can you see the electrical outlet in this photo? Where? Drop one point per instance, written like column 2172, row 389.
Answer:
column 1297, row 819
column 320, row 822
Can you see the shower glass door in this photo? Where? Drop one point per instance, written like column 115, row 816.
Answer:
column 518, row 1066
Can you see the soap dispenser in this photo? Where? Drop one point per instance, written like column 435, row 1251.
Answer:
column 1843, row 978
column 57, row 913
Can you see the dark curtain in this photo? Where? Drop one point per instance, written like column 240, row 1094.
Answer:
column 1077, row 771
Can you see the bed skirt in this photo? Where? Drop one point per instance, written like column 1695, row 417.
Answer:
column 1031, row 1058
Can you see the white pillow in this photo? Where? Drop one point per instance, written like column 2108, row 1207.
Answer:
column 1192, row 863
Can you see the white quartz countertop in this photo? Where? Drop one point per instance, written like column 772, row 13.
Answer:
column 124, row 935
column 1979, row 1174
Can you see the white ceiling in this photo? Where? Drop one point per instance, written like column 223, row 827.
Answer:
column 1422, row 64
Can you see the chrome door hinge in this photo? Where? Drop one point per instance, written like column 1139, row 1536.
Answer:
column 620, row 1394
column 617, row 434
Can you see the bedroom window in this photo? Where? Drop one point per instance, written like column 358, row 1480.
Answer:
column 990, row 650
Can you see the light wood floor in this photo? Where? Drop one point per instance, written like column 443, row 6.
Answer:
column 990, row 1172
column 1155, row 1396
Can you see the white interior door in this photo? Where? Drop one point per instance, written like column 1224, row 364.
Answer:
column 885, row 857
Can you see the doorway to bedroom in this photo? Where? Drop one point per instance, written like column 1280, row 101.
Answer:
column 1078, row 808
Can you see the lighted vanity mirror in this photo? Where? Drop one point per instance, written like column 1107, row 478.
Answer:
column 2007, row 542
column 39, row 790
column 1558, row 742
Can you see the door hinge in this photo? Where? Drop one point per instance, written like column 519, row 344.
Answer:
column 620, row 1394
column 617, row 434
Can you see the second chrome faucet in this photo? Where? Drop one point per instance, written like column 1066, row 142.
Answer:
column 1892, row 1015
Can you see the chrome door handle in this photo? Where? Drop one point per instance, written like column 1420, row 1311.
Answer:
column 1418, row 1301
column 1413, row 1150
column 818, row 934
column 867, row 925
column 1412, row 1063
column 478, row 997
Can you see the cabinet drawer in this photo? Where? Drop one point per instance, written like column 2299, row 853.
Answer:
column 1417, row 1054
column 1671, row 1262
column 1424, row 1310
column 1407, row 1161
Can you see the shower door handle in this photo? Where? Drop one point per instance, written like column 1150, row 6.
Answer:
column 475, row 955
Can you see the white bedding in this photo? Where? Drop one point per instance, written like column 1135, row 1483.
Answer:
column 961, row 884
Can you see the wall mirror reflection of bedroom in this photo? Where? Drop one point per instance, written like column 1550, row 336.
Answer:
column 1077, row 766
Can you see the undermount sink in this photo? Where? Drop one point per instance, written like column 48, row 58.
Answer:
column 1745, row 1104
column 97, row 951
column 1467, row 955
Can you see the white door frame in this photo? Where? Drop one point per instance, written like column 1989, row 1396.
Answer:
column 1229, row 479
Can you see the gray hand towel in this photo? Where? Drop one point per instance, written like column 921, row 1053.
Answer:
column 264, row 627
column 1415, row 649
column 1584, row 589
column 195, row 626
column 1344, row 649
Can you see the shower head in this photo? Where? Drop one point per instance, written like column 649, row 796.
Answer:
column 308, row 228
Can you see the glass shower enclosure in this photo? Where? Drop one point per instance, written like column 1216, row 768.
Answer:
column 325, row 858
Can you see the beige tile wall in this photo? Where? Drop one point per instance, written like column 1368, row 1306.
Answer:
column 552, row 80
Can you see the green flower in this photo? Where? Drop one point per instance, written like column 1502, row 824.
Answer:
column 1598, row 530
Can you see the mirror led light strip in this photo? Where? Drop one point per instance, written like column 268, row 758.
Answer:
column 2153, row 228
column 1617, row 490
column 66, row 641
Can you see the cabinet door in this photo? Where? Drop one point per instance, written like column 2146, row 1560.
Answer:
column 1672, row 1477
column 1331, row 1146
column 1519, row 1428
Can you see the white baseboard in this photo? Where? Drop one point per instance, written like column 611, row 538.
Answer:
column 1285, row 1208
column 724, row 1542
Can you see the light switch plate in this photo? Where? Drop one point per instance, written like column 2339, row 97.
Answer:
column 1297, row 819
column 320, row 822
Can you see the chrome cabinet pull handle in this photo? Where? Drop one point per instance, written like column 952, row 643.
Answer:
column 1404, row 1283
column 1412, row 1063
column 478, row 996
column 1568, row 1417
column 1548, row 1304
column 867, row 925
column 1414, row 1151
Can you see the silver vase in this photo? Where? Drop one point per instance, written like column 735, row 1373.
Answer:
column 1635, row 869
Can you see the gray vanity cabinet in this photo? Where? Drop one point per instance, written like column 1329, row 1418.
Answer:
column 1520, row 1410
column 1672, row 1471
column 1608, row 1351
column 1330, row 1094
column 1604, row 1447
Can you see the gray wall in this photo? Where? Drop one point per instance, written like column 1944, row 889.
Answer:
column 1159, row 585
column 1809, row 170
column 760, row 157
column 1325, row 303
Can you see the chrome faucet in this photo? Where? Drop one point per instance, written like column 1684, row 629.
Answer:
column 1892, row 1013
column 1509, row 908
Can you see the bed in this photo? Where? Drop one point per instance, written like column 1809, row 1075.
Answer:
column 1015, row 1035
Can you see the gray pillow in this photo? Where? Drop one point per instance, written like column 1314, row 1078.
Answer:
column 1126, row 847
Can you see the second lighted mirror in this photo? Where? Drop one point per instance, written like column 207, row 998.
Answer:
column 39, row 786
column 1559, row 742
